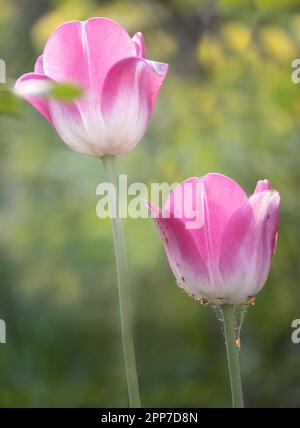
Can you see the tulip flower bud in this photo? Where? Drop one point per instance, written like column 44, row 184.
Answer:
column 227, row 258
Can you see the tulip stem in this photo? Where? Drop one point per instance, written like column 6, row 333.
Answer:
column 123, row 286
column 232, row 356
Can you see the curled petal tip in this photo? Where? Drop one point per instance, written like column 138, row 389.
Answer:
column 160, row 68
column 39, row 67
column 139, row 42
column 31, row 85
column 262, row 186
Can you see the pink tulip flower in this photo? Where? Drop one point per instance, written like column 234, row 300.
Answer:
column 120, row 86
column 227, row 259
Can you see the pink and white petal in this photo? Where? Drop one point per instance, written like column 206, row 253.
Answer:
column 38, row 66
column 78, row 125
column 222, row 197
column 128, row 97
column 31, row 87
column 159, row 68
column 218, row 197
column 64, row 58
column 205, row 200
column 83, row 52
column 266, row 212
column 186, row 200
column 139, row 42
column 262, row 186
column 182, row 253
column 248, row 245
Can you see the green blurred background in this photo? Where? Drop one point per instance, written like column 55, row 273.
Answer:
column 228, row 105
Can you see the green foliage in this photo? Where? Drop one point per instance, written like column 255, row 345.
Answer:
column 9, row 104
column 65, row 92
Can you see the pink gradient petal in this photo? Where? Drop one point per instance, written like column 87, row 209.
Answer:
column 83, row 52
column 248, row 244
column 224, row 196
column 28, row 86
column 70, row 119
column 69, row 122
column 128, row 97
column 38, row 66
column 221, row 198
column 185, row 261
column 186, row 200
column 139, row 42
column 262, row 186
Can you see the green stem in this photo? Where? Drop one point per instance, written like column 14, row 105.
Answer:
column 123, row 288
column 232, row 356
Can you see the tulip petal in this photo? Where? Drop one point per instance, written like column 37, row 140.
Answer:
column 78, row 123
column 139, row 42
column 39, row 66
column 262, row 186
column 78, row 126
column 221, row 197
column 248, row 244
column 185, row 201
column 129, row 93
column 83, row 52
column 183, row 256
column 30, row 86
column 224, row 196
